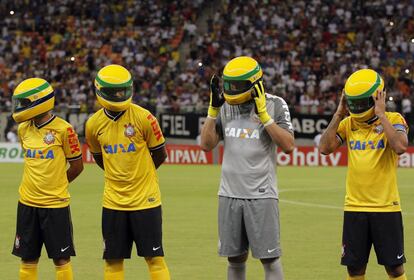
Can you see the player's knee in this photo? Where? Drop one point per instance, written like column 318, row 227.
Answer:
column 59, row 262
column 269, row 260
column 238, row 259
column 395, row 271
column 356, row 270
column 30, row 261
column 114, row 265
column 156, row 263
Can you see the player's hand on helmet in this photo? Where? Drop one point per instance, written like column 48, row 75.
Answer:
column 216, row 97
column 259, row 97
column 380, row 103
column 342, row 109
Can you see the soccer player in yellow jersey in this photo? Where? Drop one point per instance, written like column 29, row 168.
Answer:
column 127, row 143
column 374, row 139
column 43, row 214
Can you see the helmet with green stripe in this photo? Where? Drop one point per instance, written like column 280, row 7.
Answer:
column 114, row 87
column 239, row 77
column 360, row 89
column 31, row 98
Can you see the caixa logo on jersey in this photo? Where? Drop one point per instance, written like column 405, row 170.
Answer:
column 120, row 148
column 366, row 145
column 39, row 154
column 243, row 133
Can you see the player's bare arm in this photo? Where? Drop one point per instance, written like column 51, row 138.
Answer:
column 75, row 168
column 159, row 156
column 209, row 135
column 397, row 139
column 329, row 141
column 280, row 136
column 99, row 160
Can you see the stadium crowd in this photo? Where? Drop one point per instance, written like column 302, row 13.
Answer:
column 65, row 42
column 307, row 48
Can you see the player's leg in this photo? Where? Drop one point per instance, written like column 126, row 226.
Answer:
column 273, row 268
column 388, row 238
column 63, row 269
column 261, row 217
column 356, row 244
column 233, row 242
column 118, row 240
column 28, row 241
column 236, row 269
column 57, row 232
column 146, row 228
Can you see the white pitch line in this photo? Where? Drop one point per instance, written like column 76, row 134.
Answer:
column 314, row 205
column 310, row 204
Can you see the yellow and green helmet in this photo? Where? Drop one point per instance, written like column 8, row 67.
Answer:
column 114, row 87
column 360, row 89
column 239, row 77
column 31, row 98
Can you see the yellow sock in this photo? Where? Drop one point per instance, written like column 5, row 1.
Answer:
column 64, row 272
column 28, row 271
column 402, row 277
column 359, row 277
column 158, row 268
column 114, row 270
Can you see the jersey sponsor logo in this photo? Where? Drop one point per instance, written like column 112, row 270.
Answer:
column 366, row 145
column 120, row 148
column 155, row 127
column 73, row 141
column 129, row 130
column 242, row 133
column 39, row 154
column 49, row 137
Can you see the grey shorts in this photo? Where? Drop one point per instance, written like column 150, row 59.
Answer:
column 249, row 223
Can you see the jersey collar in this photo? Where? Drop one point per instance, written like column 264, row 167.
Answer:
column 112, row 116
column 46, row 122
column 372, row 120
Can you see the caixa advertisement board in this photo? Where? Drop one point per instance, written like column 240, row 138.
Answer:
column 192, row 154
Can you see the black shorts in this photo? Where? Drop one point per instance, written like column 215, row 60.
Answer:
column 384, row 230
column 121, row 228
column 38, row 226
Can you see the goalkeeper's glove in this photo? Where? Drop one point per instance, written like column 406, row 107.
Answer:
column 216, row 97
column 260, row 104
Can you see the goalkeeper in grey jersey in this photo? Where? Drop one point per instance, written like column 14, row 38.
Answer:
column 251, row 123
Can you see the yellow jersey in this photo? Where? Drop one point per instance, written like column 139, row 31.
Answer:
column 47, row 148
column 371, row 182
column 126, row 142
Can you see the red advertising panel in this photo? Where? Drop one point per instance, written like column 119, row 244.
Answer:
column 188, row 154
column 301, row 156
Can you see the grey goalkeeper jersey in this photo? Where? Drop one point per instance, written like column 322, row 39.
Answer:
column 249, row 161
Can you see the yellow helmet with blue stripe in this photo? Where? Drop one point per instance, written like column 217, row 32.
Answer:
column 114, row 86
column 360, row 89
column 31, row 98
column 239, row 77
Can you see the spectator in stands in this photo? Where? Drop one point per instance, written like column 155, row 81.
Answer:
column 11, row 135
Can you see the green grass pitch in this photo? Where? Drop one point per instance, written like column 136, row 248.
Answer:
column 311, row 221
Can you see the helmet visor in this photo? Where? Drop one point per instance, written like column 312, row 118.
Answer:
column 20, row 104
column 115, row 94
column 357, row 106
column 233, row 87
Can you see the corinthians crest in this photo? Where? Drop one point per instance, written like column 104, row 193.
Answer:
column 49, row 137
column 129, row 130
